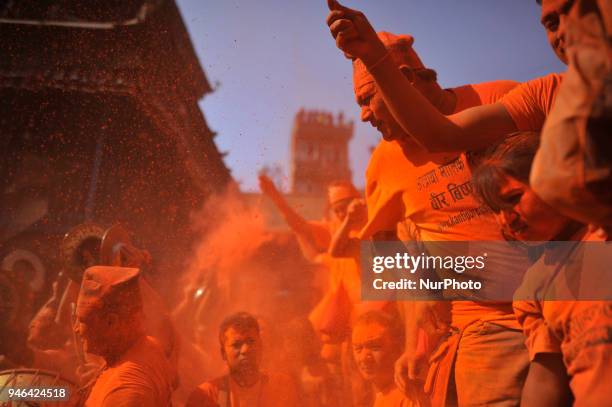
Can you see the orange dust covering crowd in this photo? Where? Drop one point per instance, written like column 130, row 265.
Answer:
column 501, row 161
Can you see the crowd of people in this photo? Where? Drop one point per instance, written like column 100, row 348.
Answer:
column 498, row 161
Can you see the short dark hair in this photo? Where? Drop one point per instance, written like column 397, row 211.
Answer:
column 241, row 321
column 395, row 329
column 512, row 157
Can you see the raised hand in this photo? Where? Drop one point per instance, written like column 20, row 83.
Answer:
column 354, row 34
column 356, row 212
column 267, row 186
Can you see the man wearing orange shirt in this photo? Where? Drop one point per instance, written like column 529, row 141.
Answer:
column 345, row 218
column 435, row 131
column 110, row 323
column 428, row 197
column 245, row 385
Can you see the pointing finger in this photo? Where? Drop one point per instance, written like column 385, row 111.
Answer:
column 334, row 5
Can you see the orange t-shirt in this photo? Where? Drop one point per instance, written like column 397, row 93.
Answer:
column 142, row 377
column 579, row 330
column 433, row 191
column 530, row 103
column 271, row 391
column 484, row 93
column 430, row 196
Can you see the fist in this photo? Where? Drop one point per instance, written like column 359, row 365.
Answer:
column 354, row 34
column 356, row 211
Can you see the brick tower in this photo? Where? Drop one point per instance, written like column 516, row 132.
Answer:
column 319, row 151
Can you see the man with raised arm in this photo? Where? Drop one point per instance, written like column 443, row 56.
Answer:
column 346, row 215
column 401, row 181
column 523, row 109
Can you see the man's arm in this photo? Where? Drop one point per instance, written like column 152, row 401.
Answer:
column 44, row 331
column 408, row 367
column 297, row 223
column 547, row 383
column 470, row 129
column 342, row 245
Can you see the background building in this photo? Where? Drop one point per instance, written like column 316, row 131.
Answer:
column 319, row 151
column 99, row 122
column 319, row 155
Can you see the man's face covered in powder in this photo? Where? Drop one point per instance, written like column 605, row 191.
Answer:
column 93, row 330
column 373, row 107
column 375, row 111
column 374, row 351
column 242, row 350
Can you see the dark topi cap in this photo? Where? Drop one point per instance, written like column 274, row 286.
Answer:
column 399, row 47
column 109, row 287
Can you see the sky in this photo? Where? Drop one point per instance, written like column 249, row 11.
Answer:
column 268, row 58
